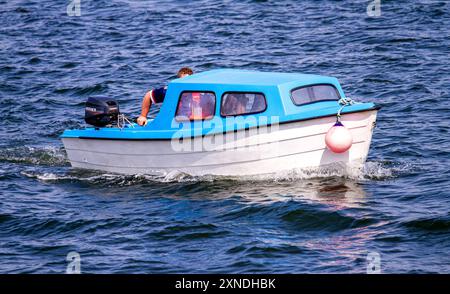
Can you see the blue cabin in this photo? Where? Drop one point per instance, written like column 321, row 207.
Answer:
column 206, row 103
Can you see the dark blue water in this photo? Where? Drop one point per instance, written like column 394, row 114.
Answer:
column 328, row 221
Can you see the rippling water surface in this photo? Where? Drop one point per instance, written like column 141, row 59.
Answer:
column 301, row 221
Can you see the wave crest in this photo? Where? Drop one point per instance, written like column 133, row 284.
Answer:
column 48, row 156
column 378, row 171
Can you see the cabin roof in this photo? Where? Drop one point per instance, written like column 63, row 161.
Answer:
column 248, row 77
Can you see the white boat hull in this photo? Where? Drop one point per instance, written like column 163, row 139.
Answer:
column 287, row 146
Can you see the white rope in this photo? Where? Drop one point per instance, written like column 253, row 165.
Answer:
column 345, row 101
column 122, row 119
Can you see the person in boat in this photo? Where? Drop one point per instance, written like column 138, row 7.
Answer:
column 235, row 104
column 157, row 96
column 196, row 106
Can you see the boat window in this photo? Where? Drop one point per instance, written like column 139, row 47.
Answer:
column 196, row 106
column 242, row 103
column 314, row 93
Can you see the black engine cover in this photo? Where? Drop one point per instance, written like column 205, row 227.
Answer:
column 101, row 111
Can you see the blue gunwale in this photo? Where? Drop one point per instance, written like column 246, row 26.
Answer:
column 275, row 86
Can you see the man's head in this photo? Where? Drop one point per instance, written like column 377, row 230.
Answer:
column 184, row 72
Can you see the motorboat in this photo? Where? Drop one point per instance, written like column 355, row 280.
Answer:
column 227, row 122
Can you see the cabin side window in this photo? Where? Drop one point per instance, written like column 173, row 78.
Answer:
column 196, row 106
column 314, row 93
column 234, row 104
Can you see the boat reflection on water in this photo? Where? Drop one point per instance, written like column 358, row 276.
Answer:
column 330, row 187
column 338, row 192
column 335, row 191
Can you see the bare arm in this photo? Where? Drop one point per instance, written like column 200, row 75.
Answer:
column 146, row 103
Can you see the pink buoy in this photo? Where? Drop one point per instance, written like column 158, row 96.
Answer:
column 338, row 138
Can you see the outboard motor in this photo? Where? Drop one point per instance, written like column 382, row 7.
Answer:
column 101, row 111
